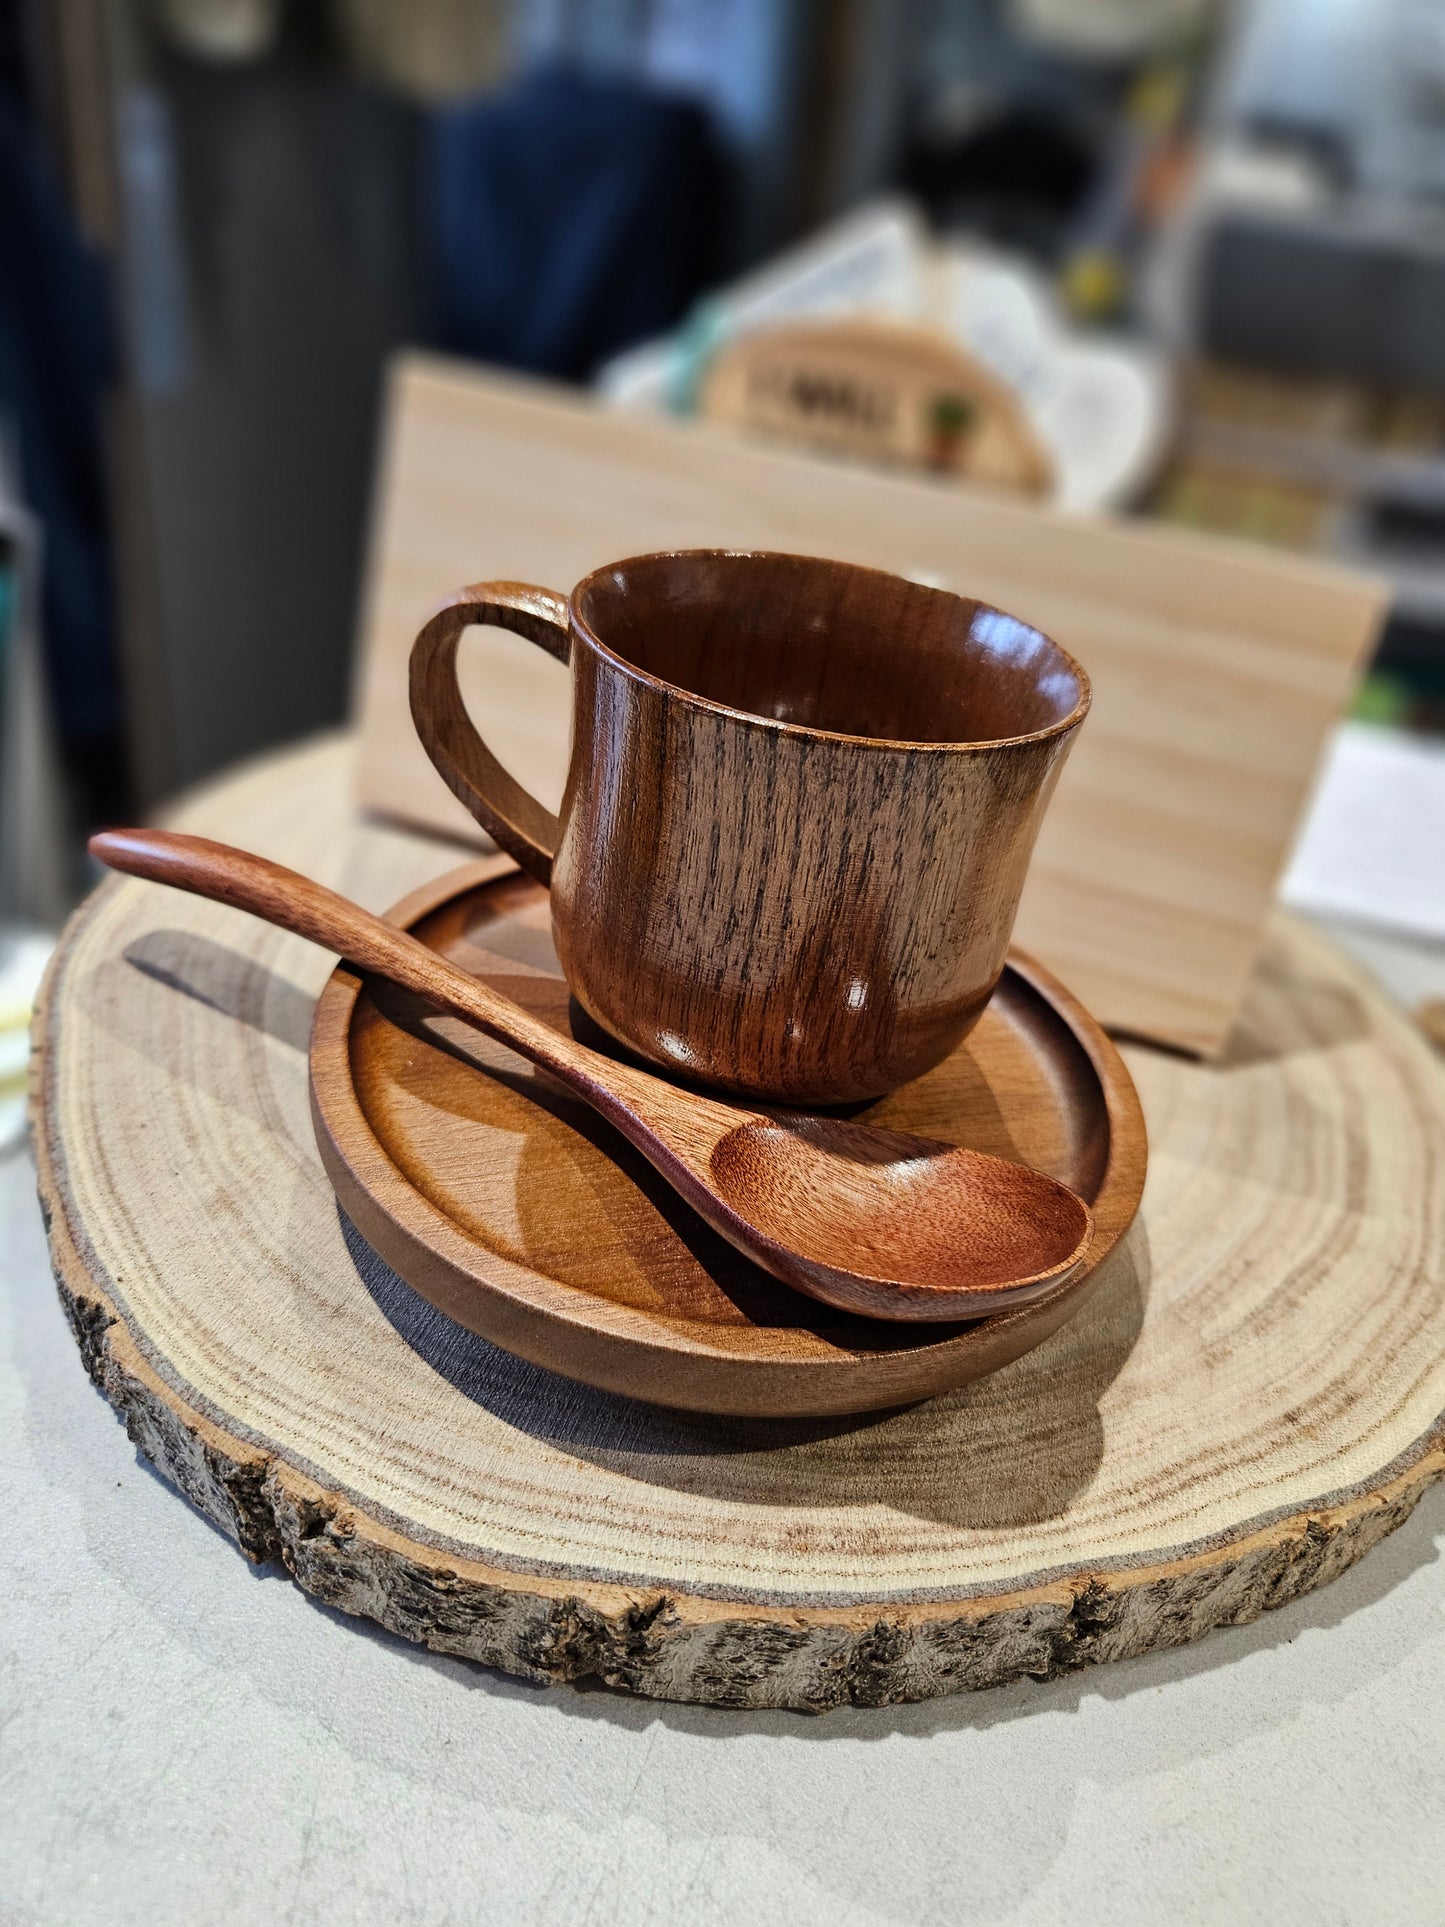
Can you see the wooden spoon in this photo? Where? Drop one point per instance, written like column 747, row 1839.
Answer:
column 872, row 1221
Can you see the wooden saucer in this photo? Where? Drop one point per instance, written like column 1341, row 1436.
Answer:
column 516, row 1211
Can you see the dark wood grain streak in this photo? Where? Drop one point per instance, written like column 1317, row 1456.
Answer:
column 801, row 805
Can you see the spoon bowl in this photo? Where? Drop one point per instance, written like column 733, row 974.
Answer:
column 872, row 1221
column 929, row 1224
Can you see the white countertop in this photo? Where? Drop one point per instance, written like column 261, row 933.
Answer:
column 184, row 1739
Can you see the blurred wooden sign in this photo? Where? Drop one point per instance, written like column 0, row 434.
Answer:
column 1217, row 669
column 879, row 391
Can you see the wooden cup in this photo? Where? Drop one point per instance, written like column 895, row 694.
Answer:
column 801, row 803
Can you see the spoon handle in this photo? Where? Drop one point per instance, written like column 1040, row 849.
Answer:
column 628, row 1098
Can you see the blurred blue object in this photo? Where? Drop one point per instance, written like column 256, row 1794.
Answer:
column 155, row 283
column 56, row 358
column 570, row 217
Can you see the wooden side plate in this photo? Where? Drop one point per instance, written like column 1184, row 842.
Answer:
column 516, row 1211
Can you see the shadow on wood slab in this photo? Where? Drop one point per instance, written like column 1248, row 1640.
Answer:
column 1031, row 1435
column 1282, row 1016
column 234, row 985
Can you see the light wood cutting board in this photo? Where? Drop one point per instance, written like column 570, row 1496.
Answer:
column 1217, row 668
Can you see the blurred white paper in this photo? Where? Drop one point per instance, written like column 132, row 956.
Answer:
column 1373, row 845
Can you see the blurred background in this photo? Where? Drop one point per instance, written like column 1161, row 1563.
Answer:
column 1189, row 258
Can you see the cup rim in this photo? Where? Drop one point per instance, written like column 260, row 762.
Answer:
column 777, row 724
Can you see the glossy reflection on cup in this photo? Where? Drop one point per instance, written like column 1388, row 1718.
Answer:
column 800, row 807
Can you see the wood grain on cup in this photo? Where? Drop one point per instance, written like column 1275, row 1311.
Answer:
column 800, row 809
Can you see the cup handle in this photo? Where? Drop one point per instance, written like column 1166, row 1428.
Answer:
column 515, row 819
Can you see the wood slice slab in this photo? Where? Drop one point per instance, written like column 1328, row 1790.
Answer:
column 1253, row 1398
column 509, row 1205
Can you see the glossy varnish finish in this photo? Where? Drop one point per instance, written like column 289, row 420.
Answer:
column 800, row 809
column 500, row 1199
column 882, row 1223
